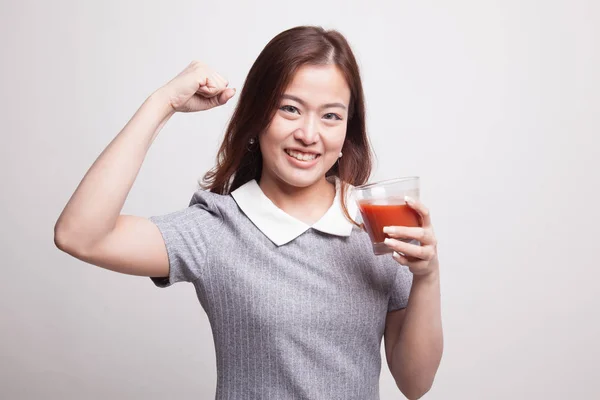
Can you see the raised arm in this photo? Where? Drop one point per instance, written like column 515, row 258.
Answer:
column 91, row 227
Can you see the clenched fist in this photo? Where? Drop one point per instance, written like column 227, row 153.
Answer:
column 197, row 88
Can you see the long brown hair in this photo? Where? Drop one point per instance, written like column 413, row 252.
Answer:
column 270, row 74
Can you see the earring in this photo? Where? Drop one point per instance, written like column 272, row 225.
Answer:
column 340, row 156
column 250, row 146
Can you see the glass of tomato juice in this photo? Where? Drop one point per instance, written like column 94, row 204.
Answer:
column 382, row 204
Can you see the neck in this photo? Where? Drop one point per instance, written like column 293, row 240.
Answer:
column 308, row 204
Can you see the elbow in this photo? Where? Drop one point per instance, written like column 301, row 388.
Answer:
column 414, row 391
column 73, row 242
column 61, row 240
column 414, row 388
column 414, row 381
column 64, row 241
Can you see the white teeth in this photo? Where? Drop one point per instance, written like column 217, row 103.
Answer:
column 301, row 156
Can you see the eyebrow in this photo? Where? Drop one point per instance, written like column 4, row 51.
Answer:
column 299, row 100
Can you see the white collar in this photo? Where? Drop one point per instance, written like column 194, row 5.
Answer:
column 281, row 227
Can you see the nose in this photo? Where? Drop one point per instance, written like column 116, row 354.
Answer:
column 308, row 132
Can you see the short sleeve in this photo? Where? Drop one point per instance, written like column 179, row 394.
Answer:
column 188, row 235
column 400, row 288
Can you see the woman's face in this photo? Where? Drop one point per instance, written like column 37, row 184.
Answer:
column 306, row 135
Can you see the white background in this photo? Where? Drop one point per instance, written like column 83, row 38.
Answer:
column 495, row 104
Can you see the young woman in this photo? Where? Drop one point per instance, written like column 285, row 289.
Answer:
column 297, row 301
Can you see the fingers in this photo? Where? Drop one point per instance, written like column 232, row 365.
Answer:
column 423, row 235
column 219, row 99
column 411, row 250
column 421, row 209
column 198, row 88
column 421, row 258
column 225, row 96
column 211, row 84
column 209, row 88
column 400, row 258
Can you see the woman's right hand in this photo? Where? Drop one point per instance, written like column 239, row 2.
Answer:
column 197, row 88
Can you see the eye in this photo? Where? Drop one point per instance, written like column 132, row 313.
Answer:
column 290, row 109
column 332, row 116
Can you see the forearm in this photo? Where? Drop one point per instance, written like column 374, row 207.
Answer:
column 418, row 351
column 94, row 207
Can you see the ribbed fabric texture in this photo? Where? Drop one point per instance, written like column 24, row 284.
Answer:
column 299, row 321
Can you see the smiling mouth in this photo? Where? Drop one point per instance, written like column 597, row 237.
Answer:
column 302, row 156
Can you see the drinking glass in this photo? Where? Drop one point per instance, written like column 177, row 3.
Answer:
column 382, row 204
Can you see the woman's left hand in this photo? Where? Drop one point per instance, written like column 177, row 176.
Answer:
column 421, row 260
